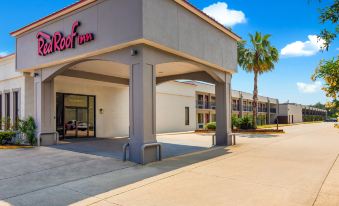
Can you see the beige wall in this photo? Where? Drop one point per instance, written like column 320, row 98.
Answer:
column 113, row 99
column 10, row 81
column 172, row 98
column 290, row 110
column 169, row 24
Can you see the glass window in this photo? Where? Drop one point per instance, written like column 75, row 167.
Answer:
column 7, row 111
column 75, row 115
column 91, row 116
column 187, row 116
column 200, row 118
column 234, row 105
column 15, row 109
column 245, row 106
column 214, row 118
column 75, row 101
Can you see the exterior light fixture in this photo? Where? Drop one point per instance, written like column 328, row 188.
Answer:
column 134, row 52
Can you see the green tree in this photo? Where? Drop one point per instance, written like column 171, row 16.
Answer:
column 258, row 57
column 329, row 72
column 28, row 128
column 329, row 14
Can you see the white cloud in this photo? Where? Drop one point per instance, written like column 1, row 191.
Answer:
column 309, row 88
column 337, row 49
column 4, row 53
column 306, row 48
column 227, row 17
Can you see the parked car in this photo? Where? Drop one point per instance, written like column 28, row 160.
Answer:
column 331, row 120
column 70, row 125
column 82, row 126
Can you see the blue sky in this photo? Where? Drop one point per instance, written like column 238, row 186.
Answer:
column 287, row 21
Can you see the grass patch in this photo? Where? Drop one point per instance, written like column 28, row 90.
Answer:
column 268, row 126
column 244, row 132
column 14, row 147
column 285, row 125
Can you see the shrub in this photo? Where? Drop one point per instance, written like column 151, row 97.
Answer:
column 6, row 137
column 235, row 121
column 211, row 125
column 246, row 123
column 28, row 127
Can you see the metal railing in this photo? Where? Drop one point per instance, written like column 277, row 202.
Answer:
column 233, row 135
column 157, row 145
column 205, row 105
column 273, row 110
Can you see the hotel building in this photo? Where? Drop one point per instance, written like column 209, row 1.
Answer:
column 81, row 60
column 291, row 113
column 104, row 68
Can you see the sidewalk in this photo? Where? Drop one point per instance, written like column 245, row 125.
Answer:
column 297, row 168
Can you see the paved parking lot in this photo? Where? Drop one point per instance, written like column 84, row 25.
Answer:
column 76, row 169
column 296, row 168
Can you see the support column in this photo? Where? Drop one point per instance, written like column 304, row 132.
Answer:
column 223, row 111
column 241, row 102
column 11, row 108
column 44, row 103
column 268, row 111
column 142, row 112
column 3, row 109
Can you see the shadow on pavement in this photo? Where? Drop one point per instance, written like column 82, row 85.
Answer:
column 76, row 170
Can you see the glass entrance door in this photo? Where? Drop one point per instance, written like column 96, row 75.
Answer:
column 75, row 115
column 76, row 122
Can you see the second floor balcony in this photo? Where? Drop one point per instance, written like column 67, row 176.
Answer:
column 206, row 105
column 273, row 110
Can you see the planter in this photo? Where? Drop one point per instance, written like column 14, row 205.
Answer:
column 205, row 131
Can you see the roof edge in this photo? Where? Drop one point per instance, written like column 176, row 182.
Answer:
column 83, row 3
column 52, row 16
column 7, row 56
column 208, row 19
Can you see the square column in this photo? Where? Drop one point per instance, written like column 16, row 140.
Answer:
column 3, row 109
column 11, row 108
column 223, row 112
column 44, row 104
column 241, row 102
column 142, row 113
column 269, row 112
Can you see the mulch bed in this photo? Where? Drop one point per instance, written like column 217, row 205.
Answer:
column 263, row 131
column 254, row 131
column 14, row 146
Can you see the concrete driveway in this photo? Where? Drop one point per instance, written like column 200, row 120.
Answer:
column 296, row 168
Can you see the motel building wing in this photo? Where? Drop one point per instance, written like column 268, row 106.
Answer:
column 97, row 66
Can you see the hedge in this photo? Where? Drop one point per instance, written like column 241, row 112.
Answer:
column 6, row 137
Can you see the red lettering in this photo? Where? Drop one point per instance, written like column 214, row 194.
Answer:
column 89, row 37
column 56, row 39
column 69, row 42
column 41, row 43
column 48, row 44
column 62, row 44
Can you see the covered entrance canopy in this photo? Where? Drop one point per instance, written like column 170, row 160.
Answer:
column 129, row 42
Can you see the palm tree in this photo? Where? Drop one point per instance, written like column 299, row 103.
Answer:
column 258, row 58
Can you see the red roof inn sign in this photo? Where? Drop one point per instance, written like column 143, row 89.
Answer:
column 58, row 42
